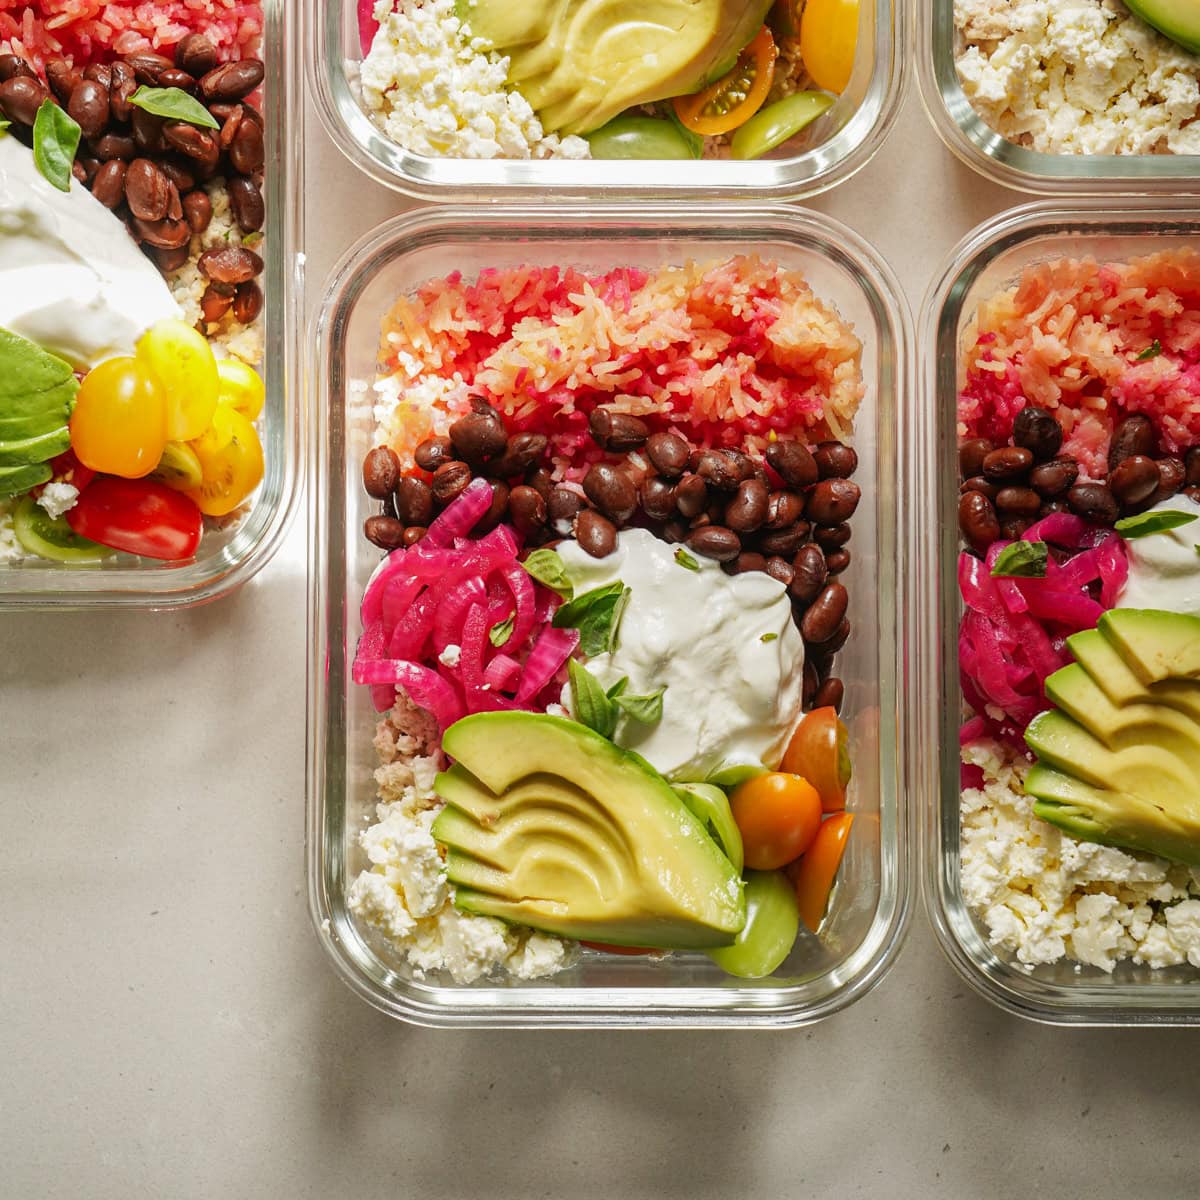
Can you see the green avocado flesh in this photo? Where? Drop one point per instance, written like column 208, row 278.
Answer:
column 1178, row 20
column 580, row 62
column 549, row 825
column 15, row 480
column 1119, row 757
column 36, row 394
column 35, row 449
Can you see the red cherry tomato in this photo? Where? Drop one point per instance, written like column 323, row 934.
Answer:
column 68, row 469
column 139, row 516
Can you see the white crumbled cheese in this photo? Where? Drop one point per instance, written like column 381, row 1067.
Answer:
column 58, row 498
column 1078, row 77
column 436, row 91
column 1043, row 896
column 11, row 550
column 451, row 656
column 405, row 893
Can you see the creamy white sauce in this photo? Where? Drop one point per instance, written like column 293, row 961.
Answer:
column 1164, row 568
column 731, row 697
column 71, row 277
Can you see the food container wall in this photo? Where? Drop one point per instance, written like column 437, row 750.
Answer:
column 226, row 558
column 832, row 149
column 980, row 147
column 869, row 907
column 989, row 259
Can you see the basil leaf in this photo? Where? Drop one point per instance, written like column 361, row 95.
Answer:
column 548, row 568
column 55, row 140
column 684, row 559
column 174, row 104
column 1144, row 524
column 646, row 709
column 597, row 616
column 1022, row 560
column 501, row 632
column 592, row 707
column 769, row 637
column 571, row 613
column 1151, row 351
column 618, row 687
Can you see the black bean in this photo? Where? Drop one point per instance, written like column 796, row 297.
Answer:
column 148, row 67
column 121, row 91
column 173, row 77
column 247, row 151
column 478, row 438
column 830, row 694
column 496, row 510
column 831, row 537
column 611, row 491
column 1012, row 529
column 617, row 431
column 414, row 500
column 21, row 97
column 215, row 303
column 1018, row 502
column 748, row 509
column 413, row 534
column 196, row 55
column 1132, row 435
column 1094, row 502
column 1053, row 506
column 1133, row 479
column 246, row 203
column 832, row 501
column 385, row 532
column 809, row 573
column 1191, row 465
column 433, row 452
column 715, row 541
column 691, row 495
column 527, row 509
column 977, row 483
column 784, row 509
column 1007, row 463
column 233, row 80
column 669, row 453
column 835, row 461
column 61, row 76
column 230, row 264
column 12, row 66
column 523, row 452
column 1055, row 477
column 674, row 531
column 825, row 614
column 748, row 561
column 971, row 454
column 793, row 463
column 562, row 508
column 977, row 520
column 781, row 569
column 197, row 211
column 450, row 480
column 657, row 497
column 1038, row 432
column 381, row 472
column 784, row 542
column 88, row 107
column 114, row 145
column 810, row 686
column 147, row 190
column 248, row 302
column 595, row 533
column 163, row 235
column 837, row 561
column 108, row 185
column 1171, row 474
column 719, row 470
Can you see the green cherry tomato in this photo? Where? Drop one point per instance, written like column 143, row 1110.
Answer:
column 640, row 137
column 772, row 923
column 773, row 125
column 51, row 537
column 711, row 808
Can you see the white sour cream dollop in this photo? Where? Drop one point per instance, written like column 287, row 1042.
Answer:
column 732, row 698
column 71, row 278
column 1164, row 568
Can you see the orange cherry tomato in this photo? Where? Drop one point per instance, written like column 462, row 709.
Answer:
column 119, row 426
column 814, row 874
column 819, row 750
column 828, row 39
column 735, row 97
column 778, row 815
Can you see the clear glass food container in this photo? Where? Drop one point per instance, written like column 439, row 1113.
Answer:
column 988, row 260
column 869, row 907
column 969, row 137
column 828, row 151
column 226, row 558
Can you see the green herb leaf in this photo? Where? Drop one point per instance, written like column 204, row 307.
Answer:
column 174, row 104
column 1144, row 524
column 684, row 559
column 1022, row 560
column 618, row 687
column 1151, row 351
column 55, row 140
column 647, row 710
column 501, row 632
column 597, row 616
column 592, row 707
column 769, row 637
column 548, row 568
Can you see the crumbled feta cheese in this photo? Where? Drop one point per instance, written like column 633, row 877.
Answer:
column 437, row 91
column 1043, row 896
column 1078, row 77
column 10, row 549
column 451, row 656
column 58, row 498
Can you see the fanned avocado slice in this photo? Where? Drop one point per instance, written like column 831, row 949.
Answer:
column 549, row 825
column 1156, row 645
column 1102, row 661
column 1178, row 20
column 15, row 480
column 35, row 449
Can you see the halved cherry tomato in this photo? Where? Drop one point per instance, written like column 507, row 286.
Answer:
column 68, row 469
column 828, row 39
column 778, row 815
column 735, row 97
column 183, row 363
column 814, row 874
column 231, row 462
column 139, row 516
column 819, row 750
column 119, row 425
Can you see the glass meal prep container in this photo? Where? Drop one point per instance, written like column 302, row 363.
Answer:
column 828, row 151
column 978, row 145
column 869, row 907
column 226, row 558
column 986, row 261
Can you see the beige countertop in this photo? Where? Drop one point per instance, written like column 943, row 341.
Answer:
column 169, row 1027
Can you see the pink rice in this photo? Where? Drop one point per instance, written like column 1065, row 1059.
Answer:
column 1069, row 337
column 729, row 354
column 86, row 31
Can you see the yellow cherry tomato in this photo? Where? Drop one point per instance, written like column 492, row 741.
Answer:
column 241, row 387
column 185, row 366
column 778, row 815
column 119, row 425
column 828, row 37
column 231, row 461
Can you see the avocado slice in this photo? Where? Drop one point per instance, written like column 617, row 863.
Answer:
column 549, row 825
column 32, row 380
column 35, row 449
column 15, row 480
column 1178, row 20
column 1102, row 661
column 1174, row 705
column 1156, row 645
column 580, row 62
column 15, row 428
